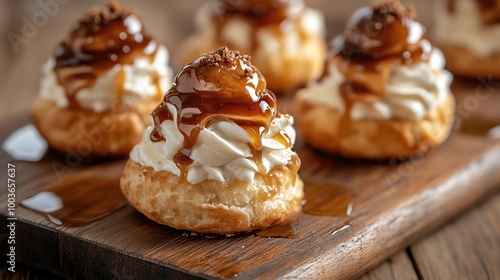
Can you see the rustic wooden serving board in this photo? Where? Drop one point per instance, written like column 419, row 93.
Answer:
column 395, row 204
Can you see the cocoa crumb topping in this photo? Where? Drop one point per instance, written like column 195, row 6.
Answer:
column 222, row 55
column 102, row 15
column 395, row 7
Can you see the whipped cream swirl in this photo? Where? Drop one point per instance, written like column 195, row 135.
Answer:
column 222, row 151
column 238, row 33
column 138, row 83
column 464, row 27
column 411, row 92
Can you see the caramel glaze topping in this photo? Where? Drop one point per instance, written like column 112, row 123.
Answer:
column 257, row 13
column 490, row 10
column 220, row 86
column 98, row 41
column 375, row 40
column 262, row 11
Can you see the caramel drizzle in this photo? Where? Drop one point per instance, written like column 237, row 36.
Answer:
column 254, row 117
column 371, row 47
column 451, row 6
column 256, row 14
column 261, row 12
column 490, row 10
column 253, row 107
column 93, row 49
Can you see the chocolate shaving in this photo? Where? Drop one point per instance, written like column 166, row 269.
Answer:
column 105, row 14
column 395, row 7
column 222, row 55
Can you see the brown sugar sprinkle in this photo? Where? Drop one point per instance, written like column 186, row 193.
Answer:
column 105, row 14
column 395, row 7
column 222, row 55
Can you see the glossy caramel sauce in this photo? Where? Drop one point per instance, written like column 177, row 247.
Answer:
column 477, row 125
column 222, row 86
column 108, row 37
column 345, row 226
column 81, row 199
column 261, row 11
column 321, row 198
column 274, row 15
column 490, row 10
column 451, row 6
column 285, row 230
column 327, row 199
column 376, row 39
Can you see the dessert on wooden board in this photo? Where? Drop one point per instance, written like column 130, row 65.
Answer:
column 468, row 32
column 284, row 38
column 218, row 158
column 146, row 233
column 384, row 92
column 101, row 85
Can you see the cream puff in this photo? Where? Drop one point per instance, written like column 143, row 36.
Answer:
column 468, row 32
column 384, row 92
column 284, row 38
column 218, row 158
column 101, row 85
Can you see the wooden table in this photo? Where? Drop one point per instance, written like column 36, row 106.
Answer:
column 466, row 248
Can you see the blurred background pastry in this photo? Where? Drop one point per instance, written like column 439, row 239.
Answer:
column 104, row 80
column 468, row 32
column 219, row 157
column 384, row 92
column 284, row 38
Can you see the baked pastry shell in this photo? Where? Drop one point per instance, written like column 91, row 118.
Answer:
column 89, row 134
column 212, row 206
column 326, row 130
column 460, row 61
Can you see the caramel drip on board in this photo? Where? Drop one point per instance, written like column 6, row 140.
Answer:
column 81, row 199
column 285, row 230
column 326, row 199
column 93, row 48
column 345, row 226
column 322, row 199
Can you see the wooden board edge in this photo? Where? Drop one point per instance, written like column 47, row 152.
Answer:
column 481, row 175
column 61, row 254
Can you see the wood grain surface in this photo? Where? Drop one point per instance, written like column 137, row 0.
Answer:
column 467, row 248
column 475, row 258
column 396, row 204
column 396, row 268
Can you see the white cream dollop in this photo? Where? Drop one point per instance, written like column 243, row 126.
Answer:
column 269, row 45
column 138, row 83
column 222, row 151
column 464, row 27
column 411, row 92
